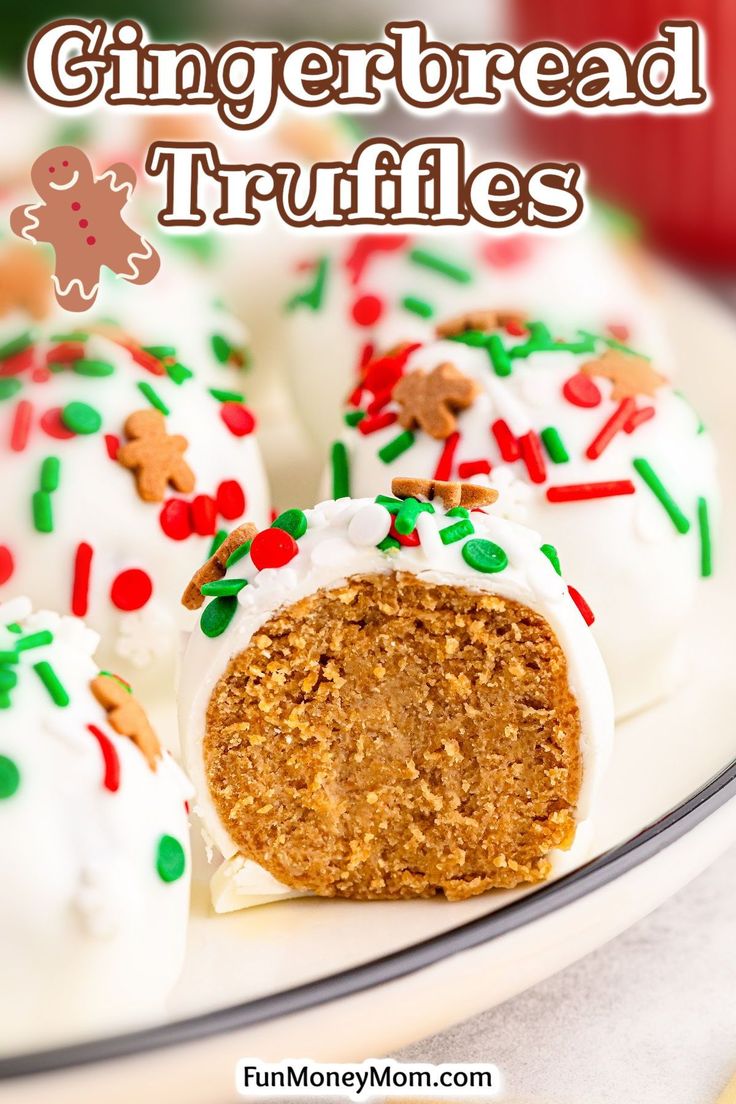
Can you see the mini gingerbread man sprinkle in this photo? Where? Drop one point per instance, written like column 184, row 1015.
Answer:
column 25, row 281
column 156, row 458
column 80, row 216
column 483, row 320
column 450, row 495
column 430, row 401
column 216, row 565
column 631, row 375
column 126, row 715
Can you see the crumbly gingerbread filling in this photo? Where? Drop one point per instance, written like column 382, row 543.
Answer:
column 392, row 738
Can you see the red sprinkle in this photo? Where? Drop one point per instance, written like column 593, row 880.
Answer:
column 530, row 447
column 515, row 329
column 581, row 390
column 21, row 428
column 365, row 247
column 80, row 584
column 176, row 519
column 230, row 499
column 204, row 515
column 146, row 360
column 52, row 425
column 618, row 331
column 507, row 443
column 585, row 610
column 40, row 375
column 376, row 422
column 608, row 431
column 112, row 444
column 638, row 418
column 447, row 456
column 65, row 353
column 367, row 310
column 18, row 363
column 469, row 468
column 409, row 540
column 7, row 564
column 507, row 252
column 579, row 492
column 111, row 763
column 238, row 419
column 272, row 548
column 131, row 590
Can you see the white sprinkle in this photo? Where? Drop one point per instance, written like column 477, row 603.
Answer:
column 429, row 535
column 370, row 525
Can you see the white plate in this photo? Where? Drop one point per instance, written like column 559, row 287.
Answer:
column 339, row 980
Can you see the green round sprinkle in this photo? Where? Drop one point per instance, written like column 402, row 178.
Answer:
column 9, row 387
column 9, row 777
column 238, row 553
column 8, row 679
column 218, row 615
column 217, row 540
column 171, row 860
column 291, row 521
column 43, row 513
column 81, row 418
column 221, row 347
column 94, row 368
column 220, row 587
column 484, row 555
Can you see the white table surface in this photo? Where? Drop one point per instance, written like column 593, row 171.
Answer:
column 648, row 1019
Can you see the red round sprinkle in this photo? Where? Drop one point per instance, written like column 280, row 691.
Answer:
column 131, row 590
column 367, row 309
column 76, row 206
column 230, row 499
column 204, row 515
column 84, row 223
column 238, row 419
column 272, row 548
column 7, row 564
column 40, row 375
column 52, row 424
column 175, row 519
column 91, row 240
column 580, row 390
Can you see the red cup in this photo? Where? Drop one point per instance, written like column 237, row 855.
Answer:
column 677, row 173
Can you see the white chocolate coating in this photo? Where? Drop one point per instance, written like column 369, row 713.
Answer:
column 639, row 574
column 92, row 936
column 332, row 550
column 582, row 277
column 97, row 501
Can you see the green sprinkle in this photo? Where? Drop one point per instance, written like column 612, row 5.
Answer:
column 499, row 356
column 16, row 345
column 396, row 446
column 50, row 472
column 14, row 627
column 9, row 386
column 393, row 505
column 539, row 340
column 484, row 555
column 458, row 531
column 475, row 338
column 94, row 368
column 340, row 470
column 81, row 418
column 417, row 306
column 442, row 265
column 116, row 678
column 177, row 373
column 43, row 513
column 458, row 511
column 388, row 543
column 50, row 679
column 406, row 518
column 34, row 640
column 238, row 554
column 9, row 777
column 220, row 587
column 706, row 543
column 5, row 658
column 552, row 555
column 217, row 540
column 586, row 344
column 171, row 860
column 313, row 296
column 227, row 396
column 75, row 335
column 291, row 521
column 153, row 397
column 8, row 678
column 353, row 417
column 221, row 347
column 652, row 480
column 160, row 352
column 218, row 615
column 554, row 445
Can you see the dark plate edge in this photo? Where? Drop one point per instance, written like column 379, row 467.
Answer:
column 599, row 872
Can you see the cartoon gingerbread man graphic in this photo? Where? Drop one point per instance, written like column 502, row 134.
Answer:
column 80, row 216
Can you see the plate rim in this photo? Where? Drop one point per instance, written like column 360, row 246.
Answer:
column 547, row 899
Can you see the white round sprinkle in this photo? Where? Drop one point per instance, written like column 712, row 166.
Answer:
column 370, row 525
